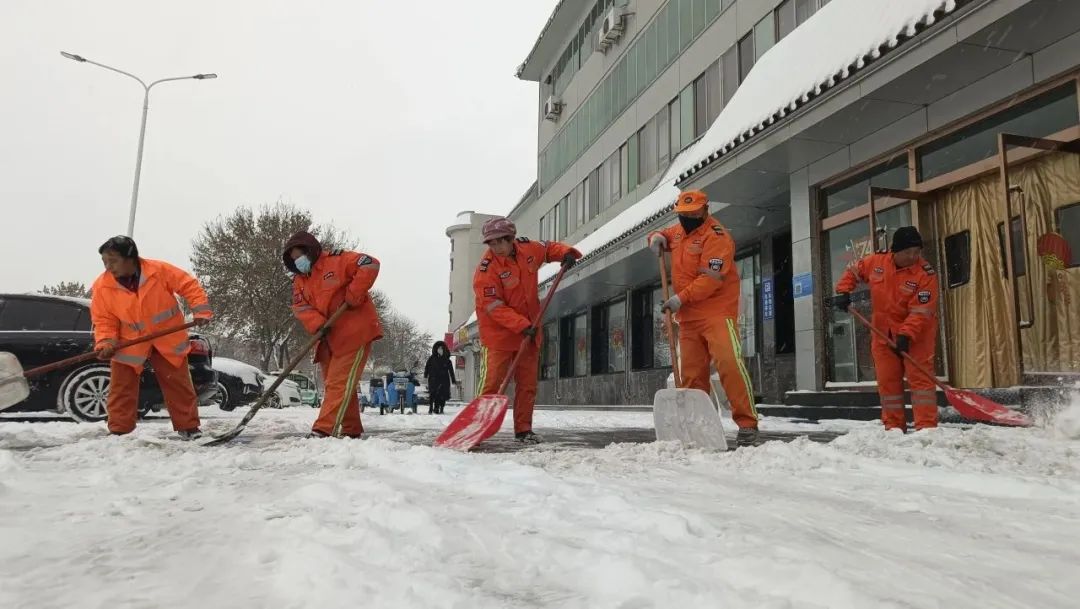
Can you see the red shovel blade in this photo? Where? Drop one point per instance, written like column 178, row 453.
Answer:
column 974, row 406
column 477, row 422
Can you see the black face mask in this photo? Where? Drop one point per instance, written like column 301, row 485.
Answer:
column 689, row 225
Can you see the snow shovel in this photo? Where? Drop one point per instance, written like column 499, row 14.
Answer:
column 483, row 416
column 14, row 387
column 265, row 397
column 968, row 403
column 686, row 415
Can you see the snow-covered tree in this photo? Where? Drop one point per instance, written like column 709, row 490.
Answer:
column 67, row 288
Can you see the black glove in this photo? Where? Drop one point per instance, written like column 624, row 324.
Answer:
column 903, row 344
column 841, row 302
column 530, row 332
column 569, row 260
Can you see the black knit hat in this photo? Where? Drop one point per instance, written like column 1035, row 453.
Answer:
column 905, row 237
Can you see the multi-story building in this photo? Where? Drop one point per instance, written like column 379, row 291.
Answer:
column 466, row 249
column 818, row 127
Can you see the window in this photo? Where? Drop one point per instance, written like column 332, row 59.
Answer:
column 609, row 338
column 451, row 265
column 573, row 346
column 1038, row 117
column 855, row 191
column 764, row 36
column 686, row 22
column 958, row 259
column 1018, row 257
column 699, row 16
column 38, row 315
column 746, row 55
column 712, row 95
column 663, row 138
column 562, row 218
column 624, row 169
column 633, row 176
column 785, row 19
column 603, row 183
column 1068, row 222
column 615, row 176
column 729, row 67
column 686, row 104
column 647, row 146
column 712, row 9
column 589, row 203
column 675, row 113
column 649, row 347
column 549, row 355
column 661, row 349
column 579, row 204
column 701, row 109
column 804, row 9
column 592, row 190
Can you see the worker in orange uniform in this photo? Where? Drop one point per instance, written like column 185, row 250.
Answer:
column 903, row 299
column 135, row 297
column 322, row 281
column 507, row 306
column 706, row 305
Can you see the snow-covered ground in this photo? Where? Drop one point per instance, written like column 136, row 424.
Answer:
column 981, row 518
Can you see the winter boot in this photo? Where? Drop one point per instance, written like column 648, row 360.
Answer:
column 190, row 434
column 748, row 436
column 431, row 410
column 528, row 437
column 317, row 434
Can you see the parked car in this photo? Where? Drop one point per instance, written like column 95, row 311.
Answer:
column 238, row 384
column 41, row 329
column 309, row 391
column 287, row 394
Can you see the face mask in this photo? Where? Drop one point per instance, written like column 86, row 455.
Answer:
column 303, row 264
column 690, row 224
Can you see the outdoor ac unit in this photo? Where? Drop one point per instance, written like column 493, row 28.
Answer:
column 552, row 108
column 612, row 27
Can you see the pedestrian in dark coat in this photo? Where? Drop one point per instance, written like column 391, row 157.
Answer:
column 439, row 373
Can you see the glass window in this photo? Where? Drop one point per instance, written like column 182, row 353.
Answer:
column 594, row 189
column 651, row 67
column 699, row 16
column 661, row 347
column 1038, row 117
column 573, row 346
column 846, row 244
column 675, row 113
column 633, row 175
column 663, row 55
column 591, row 205
column 712, row 94
column 712, row 10
column 647, row 145
column 804, row 9
column 724, row 4
column 673, row 29
column 38, row 315
column 958, row 259
column 616, row 337
column 603, row 184
column 563, row 217
column 729, row 65
column 641, row 344
column 701, row 108
column 686, row 22
column 764, row 36
column 746, row 56
column 615, row 175
column 1068, row 223
column 663, row 138
column 853, row 192
column 890, row 220
column 642, row 64
column 749, row 282
column 624, row 170
column 1019, row 257
column 632, row 86
column 549, row 357
column 785, row 19
column 581, row 345
column 686, row 104
column 579, row 204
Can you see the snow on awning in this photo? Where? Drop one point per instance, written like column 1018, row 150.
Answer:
column 839, row 40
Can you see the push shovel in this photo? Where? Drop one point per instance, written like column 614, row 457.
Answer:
column 14, row 387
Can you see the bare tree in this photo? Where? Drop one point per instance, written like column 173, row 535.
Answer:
column 238, row 260
column 67, row 288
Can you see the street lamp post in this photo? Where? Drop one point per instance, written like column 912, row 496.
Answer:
column 142, row 127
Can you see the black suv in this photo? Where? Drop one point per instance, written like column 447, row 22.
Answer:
column 40, row 329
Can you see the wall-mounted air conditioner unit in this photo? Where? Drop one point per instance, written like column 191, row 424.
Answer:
column 552, row 108
column 612, row 27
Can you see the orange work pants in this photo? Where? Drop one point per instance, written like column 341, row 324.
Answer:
column 496, row 365
column 891, row 369
column 716, row 340
column 176, row 387
column 342, row 373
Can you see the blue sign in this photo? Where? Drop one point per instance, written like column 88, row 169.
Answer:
column 802, row 285
column 767, row 299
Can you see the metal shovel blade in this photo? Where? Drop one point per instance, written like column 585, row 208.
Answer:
column 13, row 385
column 688, row 416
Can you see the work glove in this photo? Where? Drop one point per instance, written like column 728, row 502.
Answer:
column 530, row 332
column 903, row 344
column 673, row 304
column 569, row 260
column 841, row 302
column 658, row 244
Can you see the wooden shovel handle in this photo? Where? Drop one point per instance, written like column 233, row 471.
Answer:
column 93, row 354
column 885, row 337
column 535, row 324
column 667, row 321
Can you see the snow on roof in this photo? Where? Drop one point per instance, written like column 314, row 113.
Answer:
column 839, row 40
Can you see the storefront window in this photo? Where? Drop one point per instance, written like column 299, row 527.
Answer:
column 581, row 346
column 661, row 347
column 749, row 281
column 549, row 358
column 1038, row 117
column 616, row 337
column 855, row 191
column 573, row 346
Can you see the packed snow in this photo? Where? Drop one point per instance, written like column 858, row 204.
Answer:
column 983, row 518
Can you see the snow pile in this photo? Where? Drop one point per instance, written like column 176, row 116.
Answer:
column 245, row 372
column 951, row 518
column 841, row 38
column 1065, row 424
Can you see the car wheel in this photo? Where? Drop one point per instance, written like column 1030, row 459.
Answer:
column 223, row 398
column 85, row 393
column 274, row 401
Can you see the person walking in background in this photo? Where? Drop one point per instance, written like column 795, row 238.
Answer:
column 439, row 373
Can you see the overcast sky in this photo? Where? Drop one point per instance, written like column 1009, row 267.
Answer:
column 385, row 117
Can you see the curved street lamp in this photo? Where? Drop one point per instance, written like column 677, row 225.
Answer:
column 142, row 127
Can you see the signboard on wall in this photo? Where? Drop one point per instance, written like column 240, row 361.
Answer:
column 802, row 285
column 767, row 302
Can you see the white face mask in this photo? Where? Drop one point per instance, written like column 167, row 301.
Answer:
column 303, row 264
